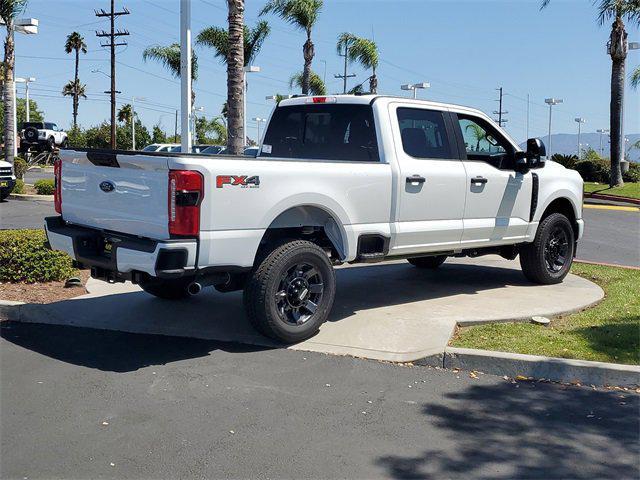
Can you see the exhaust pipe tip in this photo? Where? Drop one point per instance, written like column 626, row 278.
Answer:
column 194, row 288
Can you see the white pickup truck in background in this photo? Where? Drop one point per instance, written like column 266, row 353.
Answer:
column 338, row 179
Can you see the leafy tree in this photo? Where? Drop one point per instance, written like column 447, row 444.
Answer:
column 210, row 132
column 619, row 11
column 75, row 43
column 77, row 138
column 316, row 85
column 9, row 11
column 362, row 51
column 158, row 135
column 35, row 115
column 99, row 136
column 302, row 14
column 235, row 77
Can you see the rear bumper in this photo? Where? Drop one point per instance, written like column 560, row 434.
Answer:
column 114, row 257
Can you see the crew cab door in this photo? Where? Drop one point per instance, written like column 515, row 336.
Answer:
column 498, row 197
column 431, row 181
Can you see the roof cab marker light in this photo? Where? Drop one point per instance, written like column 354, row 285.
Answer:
column 322, row 100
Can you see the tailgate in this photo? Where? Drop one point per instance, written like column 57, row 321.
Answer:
column 117, row 192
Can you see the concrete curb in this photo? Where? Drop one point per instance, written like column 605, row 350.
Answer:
column 537, row 367
column 24, row 197
column 617, row 265
column 612, row 198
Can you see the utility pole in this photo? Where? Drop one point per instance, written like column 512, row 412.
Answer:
column 344, row 76
column 500, row 112
column 175, row 135
column 112, row 35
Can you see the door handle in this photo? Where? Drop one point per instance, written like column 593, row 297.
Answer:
column 476, row 180
column 416, row 179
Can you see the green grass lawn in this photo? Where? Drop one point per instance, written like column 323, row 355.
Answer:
column 629, row 190
column 608, row 332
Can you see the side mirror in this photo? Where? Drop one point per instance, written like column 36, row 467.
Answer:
column 535, row 151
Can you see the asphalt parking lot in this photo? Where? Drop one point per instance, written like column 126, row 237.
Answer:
column 83, row 403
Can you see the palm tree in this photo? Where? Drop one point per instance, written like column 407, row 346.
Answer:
column 478, row 133
column 74, row 89
column 218, row 39
column 302, row 14
column 9, row 10
column 635, row 78
column 169, row 56
column 235, row 78
column 316, row 85
column 363, row 51
column 75, row 43
column 125, row 114
column 618, row 11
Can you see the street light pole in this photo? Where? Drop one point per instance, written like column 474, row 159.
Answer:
column 258, row 121
column 579, row 121
column 551, row 102
column 247, row 69
column 601, row 131
column 26, row 82
column 185, row 74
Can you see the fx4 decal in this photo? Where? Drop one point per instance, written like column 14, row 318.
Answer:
column 243, row 181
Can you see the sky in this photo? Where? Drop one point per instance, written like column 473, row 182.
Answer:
column 465, row 49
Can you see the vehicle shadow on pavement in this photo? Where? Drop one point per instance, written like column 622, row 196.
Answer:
column 528, row 430
column 110, row 350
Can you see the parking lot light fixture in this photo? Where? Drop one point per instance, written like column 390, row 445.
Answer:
column 415, row 87
column 551, row 102
column 247, row 69
column 26, row 82
column 602, row 131
column 258, row 121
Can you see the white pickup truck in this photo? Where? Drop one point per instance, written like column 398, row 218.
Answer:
column 338, row 179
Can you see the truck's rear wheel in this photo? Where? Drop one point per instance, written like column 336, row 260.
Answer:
column 548, row 259
column 290, row 293
column 170, row 289
column 428, row 262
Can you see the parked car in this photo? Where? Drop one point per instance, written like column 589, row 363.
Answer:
column 194, row 148
column 251, row 151
column 42, row 136
column 160, row 147
column 214, row 150
column 340, row 179
column 7, row 179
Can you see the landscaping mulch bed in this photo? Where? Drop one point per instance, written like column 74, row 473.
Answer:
column 42, row 292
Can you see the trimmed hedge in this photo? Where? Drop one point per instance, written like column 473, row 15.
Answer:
column 24, row 258
column 594, row 170
column 44, row 186
column 18, row 187
column 19, row 167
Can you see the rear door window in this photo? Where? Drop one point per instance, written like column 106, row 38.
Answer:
column 424, row 133
column 322, row 132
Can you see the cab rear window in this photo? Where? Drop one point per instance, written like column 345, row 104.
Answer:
column 322, row 132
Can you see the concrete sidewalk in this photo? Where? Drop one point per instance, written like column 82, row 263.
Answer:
column 392, row 312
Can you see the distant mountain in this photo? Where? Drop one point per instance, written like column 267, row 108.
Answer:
column 567, row 143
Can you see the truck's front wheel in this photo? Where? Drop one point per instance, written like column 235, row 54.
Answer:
column 548, row 258
column 290, row 293
column 170, row 289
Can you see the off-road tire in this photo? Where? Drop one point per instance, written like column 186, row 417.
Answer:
column 432, row 262
column 4, row 194
column 268, row 276
column 532, row 255
column 170, row 289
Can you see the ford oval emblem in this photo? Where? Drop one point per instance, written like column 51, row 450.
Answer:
column 107, row 186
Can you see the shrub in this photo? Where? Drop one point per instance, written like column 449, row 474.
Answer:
column 24, row 258
column 594, row 170
column 19, row 187
column 46, row 186
column 19, row 167
column 633, row 175
column 567, row 161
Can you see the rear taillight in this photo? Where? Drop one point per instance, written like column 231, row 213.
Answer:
column 186, row 189
column 57, row 191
